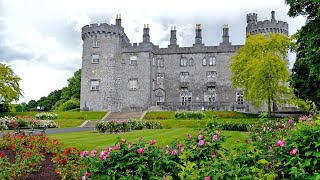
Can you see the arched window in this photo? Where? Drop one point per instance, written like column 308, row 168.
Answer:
column 191, row 62
column 204, row 62
column 183, row 62
column 212, row 61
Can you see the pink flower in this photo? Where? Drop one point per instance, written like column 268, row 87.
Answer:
column 179, row 146
column 218, row 132
column 303, row 118
column 200, row 136
column 293, row 151
column 93, row 153
column 201, row 142
column 175, row 152
column 167, row 151
column 290, row 121
column 167, row 147
column 83, row 153
column 165, row 179
column 140, row 150
column 152, row 142
column 215, row 137
column 116, row 147
column 207, row 178
column 281, row 143
column 182, row 149
column 85, row 175
column 214, row 154
column 104, row 155
column 129, row 145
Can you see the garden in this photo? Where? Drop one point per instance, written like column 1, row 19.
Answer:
column 266, row 148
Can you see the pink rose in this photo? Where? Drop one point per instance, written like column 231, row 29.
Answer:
column 290, row 121
column 293, row 151
column 201, row 142
column 129, row 145
column 200, row 136
column 140, row 150
column 175, row 152
column 303, row 118
column 93, row 153
column 281, row 143
column 83, row 153
column 207, row 178
column 215, row 137
column 104, row 155
column 116, row 147
column 218, row 132
column 152, row 142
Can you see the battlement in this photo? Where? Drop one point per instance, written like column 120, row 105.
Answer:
column 266, row 26
column 103, row 29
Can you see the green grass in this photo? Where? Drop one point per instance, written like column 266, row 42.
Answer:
column 65, row 119
column 92, row 139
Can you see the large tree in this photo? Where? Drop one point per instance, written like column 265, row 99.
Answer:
column 9, row 85
column 260, row 69
column 306, row 70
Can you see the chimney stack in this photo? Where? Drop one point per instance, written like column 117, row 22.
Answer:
column 146, row 36
column 225, row 35
column 173, row 36
column 198, row 39
column 118, row 20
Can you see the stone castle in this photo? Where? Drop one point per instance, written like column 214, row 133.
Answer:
column 120, row 76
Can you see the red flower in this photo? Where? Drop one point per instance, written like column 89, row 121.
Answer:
column 2, row 155
column 63, row 161
column 57, row 171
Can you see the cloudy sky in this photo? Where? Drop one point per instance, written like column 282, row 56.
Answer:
column 41, row 39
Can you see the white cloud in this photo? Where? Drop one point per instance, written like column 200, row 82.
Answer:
column 79, row 21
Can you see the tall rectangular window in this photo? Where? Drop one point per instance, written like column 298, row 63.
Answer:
column 94, row 85
column 133, row 84
column 212, row 76
column 185, row 97
column 210, row 97
column 160, row 79
column 239, row 97
column 212, row 61
column 133, row 60
column 184, row 76
column 95, row 43
column 95, row 59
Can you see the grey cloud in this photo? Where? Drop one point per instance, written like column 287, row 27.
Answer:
column 8, row 54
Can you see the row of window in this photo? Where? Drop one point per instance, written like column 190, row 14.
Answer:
column 184, row 76
column 159, row 62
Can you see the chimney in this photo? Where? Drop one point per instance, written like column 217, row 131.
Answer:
column 146, row 36
column 118, row 20
column 173, row 36
column 198, row 34
column 225, row 36
column 273, row 18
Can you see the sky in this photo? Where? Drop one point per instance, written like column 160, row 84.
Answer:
column 41, row 39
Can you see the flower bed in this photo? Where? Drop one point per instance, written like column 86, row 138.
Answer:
column 189, row 115
column 7, row 122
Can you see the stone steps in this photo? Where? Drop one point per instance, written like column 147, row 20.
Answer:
column 124, row 115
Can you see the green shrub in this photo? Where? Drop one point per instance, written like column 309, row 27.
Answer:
column 125, row 126
column 46, row 115
column 189, row 115
column 69, row 105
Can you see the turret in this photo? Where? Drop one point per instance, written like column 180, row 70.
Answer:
column 225, row 35
column 252, row 18
column 198, row 39
column 146, row 36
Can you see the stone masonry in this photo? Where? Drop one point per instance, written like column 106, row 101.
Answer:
column 120, row 76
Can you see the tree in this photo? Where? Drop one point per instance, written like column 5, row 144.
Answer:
column 260, row 69
column 75, row 84
column 9, row 85
column 306, row 70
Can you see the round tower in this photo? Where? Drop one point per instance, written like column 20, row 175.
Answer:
column 102, row 46
column 266, row 26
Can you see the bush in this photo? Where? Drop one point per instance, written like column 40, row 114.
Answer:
column 189, row 115
column 69, row 105
column 7, row 122
column 125, row 126
column 46, row 115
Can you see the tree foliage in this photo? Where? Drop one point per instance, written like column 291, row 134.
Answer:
column 9, row 85
column 260, row 69
column 306, row 70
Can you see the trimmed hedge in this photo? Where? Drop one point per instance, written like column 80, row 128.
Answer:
column 125, row 126
column 189, row 115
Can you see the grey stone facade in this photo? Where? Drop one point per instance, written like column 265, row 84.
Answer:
column 120, row 76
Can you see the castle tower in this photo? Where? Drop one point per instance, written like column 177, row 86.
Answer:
column 198, row 38
column 102, row 45
column 266, row 26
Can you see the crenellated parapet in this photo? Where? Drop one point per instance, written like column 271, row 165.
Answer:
column 265, row 27
column 104, row 30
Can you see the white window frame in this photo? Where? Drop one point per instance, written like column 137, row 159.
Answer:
column 185, row 97
column 212, row 61
column 133, row 84
column 211, row 76
column 204, row 62
column 184, row 76
column 95, row 59
column 160, row 78
column 210, row 97
column 191, row 62
column 183, row 62
column 95, row 43
column 133, row 60
column 94, row 85
column 239, row 98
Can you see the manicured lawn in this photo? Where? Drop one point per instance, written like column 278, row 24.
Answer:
column 65, row 119
column 92, row 139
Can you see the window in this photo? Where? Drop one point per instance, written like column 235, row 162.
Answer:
column 154, row 61
column 133, row 84
column 239, row 97
column 160, row 62
column 204, row 62
column 185, row 97
column 133, row 60
column 95, row 43
column 160, row 78
column 191, row 62
column 94, row 85
column 184, row 76
column 210, row 97
column 183, row 61
column 212, row 76
column 212, row 61
column 95, row 58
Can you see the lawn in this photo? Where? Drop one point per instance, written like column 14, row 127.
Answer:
column 65, row 119
column 92, row 139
